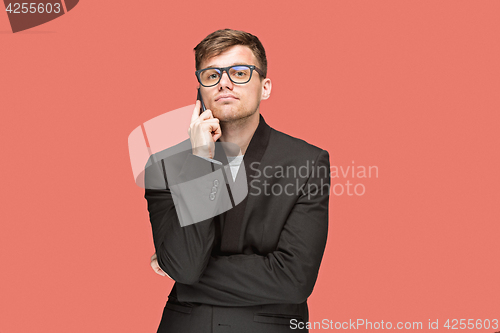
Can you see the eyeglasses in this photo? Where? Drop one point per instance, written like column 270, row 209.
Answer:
column 239, row 74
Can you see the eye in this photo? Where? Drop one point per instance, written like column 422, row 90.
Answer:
column 211, row 74
column 240, row 71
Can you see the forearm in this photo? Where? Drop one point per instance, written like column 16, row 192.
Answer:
column 182, row 236
column 251, row 280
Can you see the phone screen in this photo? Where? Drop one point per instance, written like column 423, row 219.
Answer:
column 203, row 108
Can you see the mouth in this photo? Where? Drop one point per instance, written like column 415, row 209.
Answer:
column 225, row 98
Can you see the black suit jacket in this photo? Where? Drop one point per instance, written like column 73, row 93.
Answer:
column 250, row 268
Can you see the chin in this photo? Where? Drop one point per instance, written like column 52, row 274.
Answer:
column 228, row 113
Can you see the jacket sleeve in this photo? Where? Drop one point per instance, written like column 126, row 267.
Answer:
column 286, row 275
column 181, row 214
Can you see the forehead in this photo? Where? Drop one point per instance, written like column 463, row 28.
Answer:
column 235, row 55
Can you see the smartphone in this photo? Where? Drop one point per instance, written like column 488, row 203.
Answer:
column 203, row 108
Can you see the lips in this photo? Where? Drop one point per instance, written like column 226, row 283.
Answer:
column 225, row 97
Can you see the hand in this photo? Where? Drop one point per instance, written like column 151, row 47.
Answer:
column 156, row 267
column 203, row 132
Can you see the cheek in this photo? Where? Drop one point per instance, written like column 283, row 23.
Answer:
column 250, row 98
column 254, row 96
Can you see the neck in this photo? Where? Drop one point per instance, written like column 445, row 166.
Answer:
column 240, row 132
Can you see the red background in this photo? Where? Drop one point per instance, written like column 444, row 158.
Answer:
column 409, row 87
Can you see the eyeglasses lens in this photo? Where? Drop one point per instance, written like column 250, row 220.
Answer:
column 238, row 74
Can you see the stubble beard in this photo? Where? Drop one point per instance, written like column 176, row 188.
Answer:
column 235, row 117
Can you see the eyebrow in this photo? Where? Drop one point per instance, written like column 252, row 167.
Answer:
column 233, row 64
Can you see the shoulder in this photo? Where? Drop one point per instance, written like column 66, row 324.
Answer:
column 286, row 145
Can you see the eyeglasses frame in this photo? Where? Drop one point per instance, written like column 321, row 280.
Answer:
column 226, row 69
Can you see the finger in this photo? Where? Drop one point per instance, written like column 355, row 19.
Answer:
column 157, row 268
column 159, row 271
column 206, row 115
column 211, row 121
column 217, row 133
column 196, row 110
column 211, row 126
column 200, row 123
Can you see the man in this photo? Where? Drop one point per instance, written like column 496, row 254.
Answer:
column 241, row 263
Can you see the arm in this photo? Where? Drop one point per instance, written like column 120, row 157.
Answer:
column 181, row 208
column 182, row 250
column 286, row 275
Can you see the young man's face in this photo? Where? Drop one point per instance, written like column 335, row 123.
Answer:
column 244, row 99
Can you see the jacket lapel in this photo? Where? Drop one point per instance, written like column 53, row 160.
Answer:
column 232, row 222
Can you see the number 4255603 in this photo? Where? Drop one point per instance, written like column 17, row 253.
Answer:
column 33, row 7
column 455, row 324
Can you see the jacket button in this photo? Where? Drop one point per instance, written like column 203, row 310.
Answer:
column 212, row 196
column 216, row 182
column 214, row 189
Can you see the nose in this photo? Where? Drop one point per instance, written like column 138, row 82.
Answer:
column 225, row 81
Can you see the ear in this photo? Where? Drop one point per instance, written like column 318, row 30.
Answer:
column 266, row 88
